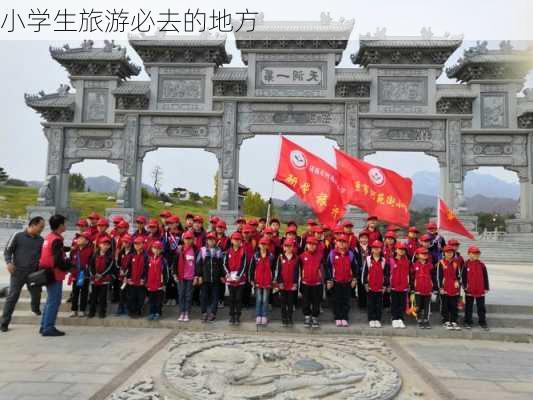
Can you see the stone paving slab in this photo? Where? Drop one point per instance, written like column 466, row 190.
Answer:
column 476, row 370
column 75, row 366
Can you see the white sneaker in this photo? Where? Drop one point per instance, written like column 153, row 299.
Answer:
column 401, row 325
column 74, row 314
column 395, row 323
column 455, row 327
column 371, row 324
column 377, row 324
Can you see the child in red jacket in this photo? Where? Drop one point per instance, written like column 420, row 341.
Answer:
column 400, row 268
column 312, row 276
column 136, row 278
column 101, row 269
column 287, row 275
column 156, row 279
column 424, row 285
column 476, row 284
column 124, row 257
column 448, row 281
column 235, row 264
column 261, row 278
column 79, row 258
column 376, row 279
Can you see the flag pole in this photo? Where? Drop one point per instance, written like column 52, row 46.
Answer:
column 269, row 208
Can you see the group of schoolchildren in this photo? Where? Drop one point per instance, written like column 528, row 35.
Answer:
column 164, row 260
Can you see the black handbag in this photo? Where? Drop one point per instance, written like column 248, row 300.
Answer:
column 41, row 277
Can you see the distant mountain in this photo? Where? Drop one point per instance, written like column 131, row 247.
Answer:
column 426, row 182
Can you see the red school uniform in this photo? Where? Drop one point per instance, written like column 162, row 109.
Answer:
column 448, row 277
column 423, row 278
column 262, row 270
column 400, row 269
column 235, row 262
column 311, row 268
column 375, row 274
column 157, row 273
column 287, row 272
column 475, row 278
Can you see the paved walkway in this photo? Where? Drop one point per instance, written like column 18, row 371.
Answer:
column 73, row 367
column 473, row 370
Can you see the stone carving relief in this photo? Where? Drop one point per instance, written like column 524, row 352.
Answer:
column 397, row 90
column 123, row 193
column 46, row 195
column 95, row 105
column 410, row 135
column 55, row 150
column 351, row 142
column 454, row 151
column 494, row 110
column 183, row 89
column 94, row 143
column 502, row 150
column 284, row 118
column 218, row 366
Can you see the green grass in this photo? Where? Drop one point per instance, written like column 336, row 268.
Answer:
column 18, row 198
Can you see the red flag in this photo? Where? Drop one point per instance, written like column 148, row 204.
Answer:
column 314, row 181
column 448, row 221
column 378, row 191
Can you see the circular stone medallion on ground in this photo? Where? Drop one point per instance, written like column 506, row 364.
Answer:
column 218, row 366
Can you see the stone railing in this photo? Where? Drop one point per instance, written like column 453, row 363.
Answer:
column 492, row 235
column 13, row 223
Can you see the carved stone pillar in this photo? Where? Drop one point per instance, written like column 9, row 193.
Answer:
column 526, row 199
column 447, row 189
column 129, row 195
column 228, row 185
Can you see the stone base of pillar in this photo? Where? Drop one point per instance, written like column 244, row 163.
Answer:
column 357, row 217
column 126, row 213
column 46, row 212
column 227, row 215
column 40, row 211
column 519, row 225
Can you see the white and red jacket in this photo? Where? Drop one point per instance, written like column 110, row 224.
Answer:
column 157, row 275
column 288, row 272
column 262, row 270
column 341, row 266
column 235, row 263
column 400, row 269
column 448, row 277
column 475, row 278
column 423, row 278
column 312, row 268
column 375, row 274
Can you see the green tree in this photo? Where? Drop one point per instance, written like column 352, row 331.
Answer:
column 76, row 183
column 254, row 204
column 3, row 175
column 194, row 196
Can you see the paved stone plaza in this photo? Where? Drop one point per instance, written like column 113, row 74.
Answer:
column 127, row 364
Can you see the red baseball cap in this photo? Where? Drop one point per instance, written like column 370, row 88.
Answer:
column 289, row 242
column 210, row 235
column 126, row 238
column 139, row 239
column 311, row 222
column 253, row 222
column 213, row 219
column 153, row 223
column 413, row 229
column 187, row 235
column 400, row 245
column 141, row 219
column 431, row 225
column 104, row 239
column 347, row 224
column 364, row 233
column 123, row 225
column 448, row 248
column 338, row 230
column 165, row 214
column 390, row 234
column 102, row 222
column 236, row 236
column 267, row 230
column 421, row 250
column 157, row 245
column 342, row 238
column 311, row 240
column 116, row 219
column 291, row 229
column 82, row 223
column 173, row 219
column 377, row 244
column 247, row 229
column 221, row 224
column 264, row 240
column 317, row 229
column 453, row 242
column 198, row 218
column 86, row 234
column 474, row 250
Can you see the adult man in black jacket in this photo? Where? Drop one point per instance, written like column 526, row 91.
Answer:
column 21, row 255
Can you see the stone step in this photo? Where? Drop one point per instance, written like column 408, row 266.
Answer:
column 521, row 335
column 496, row 319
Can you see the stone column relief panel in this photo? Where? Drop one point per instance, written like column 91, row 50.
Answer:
column 498, row 150
column 455, row 162
column 288, row 118
column 402, row 91
column 494, row 110
column 184, row 88
column 351, row 141
column 96, row 143
column 428, row 136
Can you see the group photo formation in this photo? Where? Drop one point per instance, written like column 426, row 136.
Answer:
column 266, row 201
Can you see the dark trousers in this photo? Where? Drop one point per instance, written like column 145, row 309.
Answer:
column 171, row 290
column 423, row 303
column 98, row 297
column 449, row 306
column 115, row 290
column 155, row 302
column 247, row 295
column 235, row 301
column 221, row 291
column 312, row 296
column 481, row 311
column 288, row 300
column 80, row 296
column 374, row 306
column 445, row 317
column 16, row 281
column 398, row 303
column 135, row 299
column 361, row 294
column 209, row 297
column 341, row 300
